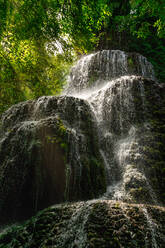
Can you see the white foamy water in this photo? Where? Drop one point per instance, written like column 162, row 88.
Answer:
column 107, row 65
column 108, row 82
column 152, row 228
column 75, row 228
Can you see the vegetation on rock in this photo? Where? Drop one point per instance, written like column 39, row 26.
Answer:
column 68, row 148
column 42, row 161
column 107, row 224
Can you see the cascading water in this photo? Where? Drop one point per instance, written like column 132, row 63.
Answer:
column 106, row 65
column 101, row 123
column 110, row 82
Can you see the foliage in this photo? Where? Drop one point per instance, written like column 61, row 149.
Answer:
column 147, row 17
column 31, row 34
column 137, row 26
column 147, row 25
column 39, row 40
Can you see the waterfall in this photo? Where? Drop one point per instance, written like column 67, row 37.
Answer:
column 74, row 230
column 152, row 228
column 111, row 82
column 94, row 69
column 92, row 142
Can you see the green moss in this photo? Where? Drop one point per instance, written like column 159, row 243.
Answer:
column 62, row 129
column 106, row 226
column 60, row 136
column 139, row 194
column 130, row 63
column 98, row 172
column 93, row 181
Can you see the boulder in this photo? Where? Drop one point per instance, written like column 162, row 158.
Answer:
column 48, row 154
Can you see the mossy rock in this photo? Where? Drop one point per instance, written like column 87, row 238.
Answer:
column 89, row 224
column 42, row 151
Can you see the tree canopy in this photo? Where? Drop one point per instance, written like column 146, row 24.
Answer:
column 40, row 39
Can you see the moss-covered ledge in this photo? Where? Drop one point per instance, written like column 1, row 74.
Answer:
column 92, row 224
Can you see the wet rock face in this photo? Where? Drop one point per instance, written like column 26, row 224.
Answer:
column 121, row 103
column 43, row 156
column 129, row 111
column 92, row 70
column 58, row 149
column 90, row 224
column 128, row 107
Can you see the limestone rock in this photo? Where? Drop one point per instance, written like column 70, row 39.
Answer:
column 92, row 70
column 48, row 154
column 90, row 224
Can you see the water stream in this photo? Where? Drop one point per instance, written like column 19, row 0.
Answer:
column 107, row 92
column 110, row 82
column 106, row 81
